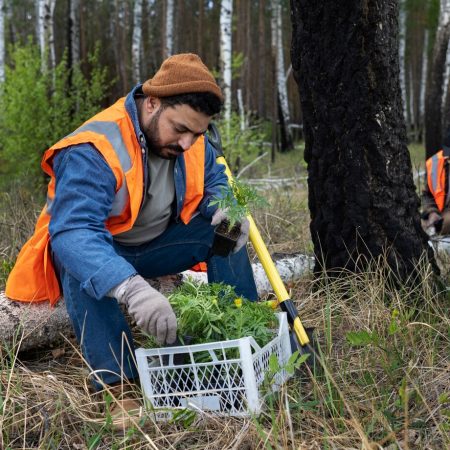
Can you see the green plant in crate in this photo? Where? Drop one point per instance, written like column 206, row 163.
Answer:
column 213, row 312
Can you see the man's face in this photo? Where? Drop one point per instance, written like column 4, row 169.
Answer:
column 172, row 130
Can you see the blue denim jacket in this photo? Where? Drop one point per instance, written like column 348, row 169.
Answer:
column 85, row 190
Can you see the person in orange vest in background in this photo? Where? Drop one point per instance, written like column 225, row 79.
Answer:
column 129, row 197
column 435, row 199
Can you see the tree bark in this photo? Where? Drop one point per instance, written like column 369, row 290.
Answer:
column 74, row 38
column 40, row 326
column 402, row 46
column 46, row 38
column 434, row 95
column 362, row 196
column 136, row 41
column 261, row 59
column 277, row 48
column 226, row 15
column 168, row 33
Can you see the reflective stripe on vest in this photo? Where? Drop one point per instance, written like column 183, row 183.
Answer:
column 437, row 177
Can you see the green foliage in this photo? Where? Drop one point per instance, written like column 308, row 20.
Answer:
column 238, row 198
column 39, row 108
column 211, row 312
column 242, row 146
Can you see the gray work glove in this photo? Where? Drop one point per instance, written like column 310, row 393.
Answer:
column 220, row 215
column 429, row 224
column 149, row 308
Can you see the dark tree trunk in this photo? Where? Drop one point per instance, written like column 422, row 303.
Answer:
column 433, row 99
column 361, row 193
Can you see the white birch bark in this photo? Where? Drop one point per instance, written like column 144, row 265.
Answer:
column 241, row 109
column 75, row 31
column 46, row 9
column 2, row 41
column 401, row 51
column 40, row 326
column 412, row 118
column 444, row 20
column 226, row 15
column 168, row 47
column 136, row 41
column 423, row 78
column 277, row 48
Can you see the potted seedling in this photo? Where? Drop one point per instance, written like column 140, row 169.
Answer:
column 236, row 199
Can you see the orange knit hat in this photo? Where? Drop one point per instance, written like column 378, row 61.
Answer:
column 181, row 74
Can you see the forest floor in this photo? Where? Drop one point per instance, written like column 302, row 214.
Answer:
column 382, row 381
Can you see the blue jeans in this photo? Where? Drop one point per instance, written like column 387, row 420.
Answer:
column 100, row 326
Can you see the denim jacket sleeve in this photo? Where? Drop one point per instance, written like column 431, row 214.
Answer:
column 215, row 180
column 85, row 189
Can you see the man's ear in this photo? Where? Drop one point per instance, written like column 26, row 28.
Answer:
column 152, row 104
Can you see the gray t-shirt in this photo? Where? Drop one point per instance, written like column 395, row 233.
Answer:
column 156, row 210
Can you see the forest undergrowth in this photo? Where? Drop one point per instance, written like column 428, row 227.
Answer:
column 382, row 381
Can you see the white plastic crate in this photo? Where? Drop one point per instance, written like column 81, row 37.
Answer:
column 220, row 377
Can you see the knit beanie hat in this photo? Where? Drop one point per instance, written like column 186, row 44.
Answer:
column 181, row 74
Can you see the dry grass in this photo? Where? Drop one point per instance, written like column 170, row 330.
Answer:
column 384, row 386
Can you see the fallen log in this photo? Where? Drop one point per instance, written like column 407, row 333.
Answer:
column 28, row 326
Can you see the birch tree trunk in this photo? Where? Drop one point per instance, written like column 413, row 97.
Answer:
column 433, row 101
column 226, row 15
column 168, row 35
column 2, row 41
column 136, row 41
column 74, row 32
column 277, row 49
column 261, row 59
column 46, row 37
column 423, row 78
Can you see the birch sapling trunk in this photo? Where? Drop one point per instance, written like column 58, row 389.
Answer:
column 226, row 14
column 277, row 48
column 46, row 38
column 75, row 31
column 136, row 41
column 168, row 40
column 423, row 79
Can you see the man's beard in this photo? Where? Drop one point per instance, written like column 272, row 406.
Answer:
column 154, row 142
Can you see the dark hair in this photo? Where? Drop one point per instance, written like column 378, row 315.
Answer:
column 204, row 102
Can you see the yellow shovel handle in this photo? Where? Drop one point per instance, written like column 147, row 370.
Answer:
column 271, row 271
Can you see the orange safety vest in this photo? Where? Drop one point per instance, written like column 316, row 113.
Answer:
column 437, row 178
column 111, row 132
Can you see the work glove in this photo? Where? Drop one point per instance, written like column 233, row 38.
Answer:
column 445, row 228
column 149, row 308
column 432, row 223
column 220, row 215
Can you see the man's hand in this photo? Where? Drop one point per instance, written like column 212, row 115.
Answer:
column 430, row 223
column 220, row 215
column 150, row 309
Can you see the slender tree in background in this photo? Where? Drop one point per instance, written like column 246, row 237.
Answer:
column 46, row 36
column 278, row 53
column 136, row 41
column 2, row 41
column 169, row 30
column 435, row 82
column 226, row 15
column 74, row 31
column 362, row 197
